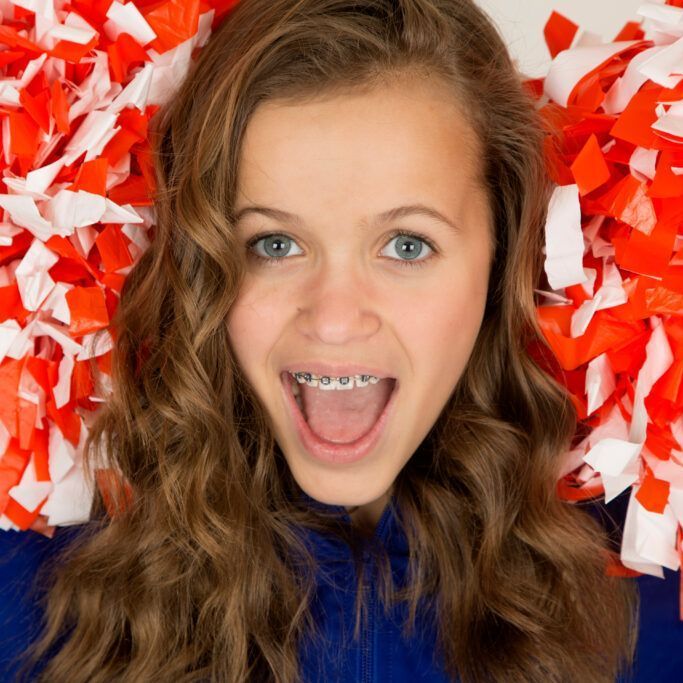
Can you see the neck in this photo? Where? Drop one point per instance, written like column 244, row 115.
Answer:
column 365, row 517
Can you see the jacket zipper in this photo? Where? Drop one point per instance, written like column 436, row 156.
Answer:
column 368, row 640
column 367, row 660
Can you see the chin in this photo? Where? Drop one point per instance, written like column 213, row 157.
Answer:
column 349, row 484
column 352, row 498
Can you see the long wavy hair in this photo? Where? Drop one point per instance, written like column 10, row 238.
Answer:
column 201, row 574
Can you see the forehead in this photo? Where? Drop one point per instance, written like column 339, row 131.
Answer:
column 398, row 140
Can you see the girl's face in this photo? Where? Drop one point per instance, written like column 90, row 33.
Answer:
column 347, row 287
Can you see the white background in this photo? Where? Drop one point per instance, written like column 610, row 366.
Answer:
column 522, row 22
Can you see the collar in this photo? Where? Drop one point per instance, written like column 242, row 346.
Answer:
column 388, row 532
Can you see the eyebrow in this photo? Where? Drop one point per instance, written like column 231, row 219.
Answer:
column 384, row 217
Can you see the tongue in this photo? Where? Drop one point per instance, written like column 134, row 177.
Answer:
column 342, row 415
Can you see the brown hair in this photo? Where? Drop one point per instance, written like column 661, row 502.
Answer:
column 202, row 575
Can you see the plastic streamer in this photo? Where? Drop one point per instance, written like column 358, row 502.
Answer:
column 611, row 311
column 79, row 82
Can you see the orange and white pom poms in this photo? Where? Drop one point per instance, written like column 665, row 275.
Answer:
column 613, row 311
column 79, row 82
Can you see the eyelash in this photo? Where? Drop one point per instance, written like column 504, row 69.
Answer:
column 412, row 263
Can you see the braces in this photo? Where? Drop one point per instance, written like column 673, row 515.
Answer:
column 325, row 380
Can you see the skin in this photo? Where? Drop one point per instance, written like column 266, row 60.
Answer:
column 342, row 291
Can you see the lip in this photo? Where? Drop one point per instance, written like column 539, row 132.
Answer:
column 329, row 452
column 337, row 369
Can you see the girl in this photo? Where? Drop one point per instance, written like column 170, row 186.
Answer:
column 341, row 458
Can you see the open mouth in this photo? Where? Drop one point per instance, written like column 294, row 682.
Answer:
column 340, row 424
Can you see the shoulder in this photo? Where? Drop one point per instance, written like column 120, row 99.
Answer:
column 659, row 655
column 22, row 556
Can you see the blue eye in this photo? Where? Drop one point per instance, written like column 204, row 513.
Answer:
column 277, row 246
column 410, row 246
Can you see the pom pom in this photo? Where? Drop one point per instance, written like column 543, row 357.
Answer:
column 78, row 89
column 613, row 305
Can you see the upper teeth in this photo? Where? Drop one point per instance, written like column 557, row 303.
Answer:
column 326, row 383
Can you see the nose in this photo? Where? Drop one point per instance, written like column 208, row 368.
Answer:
column 336, row 307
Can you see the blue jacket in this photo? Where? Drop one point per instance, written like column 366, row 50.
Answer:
column 381, row 654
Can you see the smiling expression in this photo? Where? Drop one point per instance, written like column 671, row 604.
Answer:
column 352, row 279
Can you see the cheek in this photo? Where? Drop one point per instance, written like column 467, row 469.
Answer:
column 442, row 326
column 254, row 324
